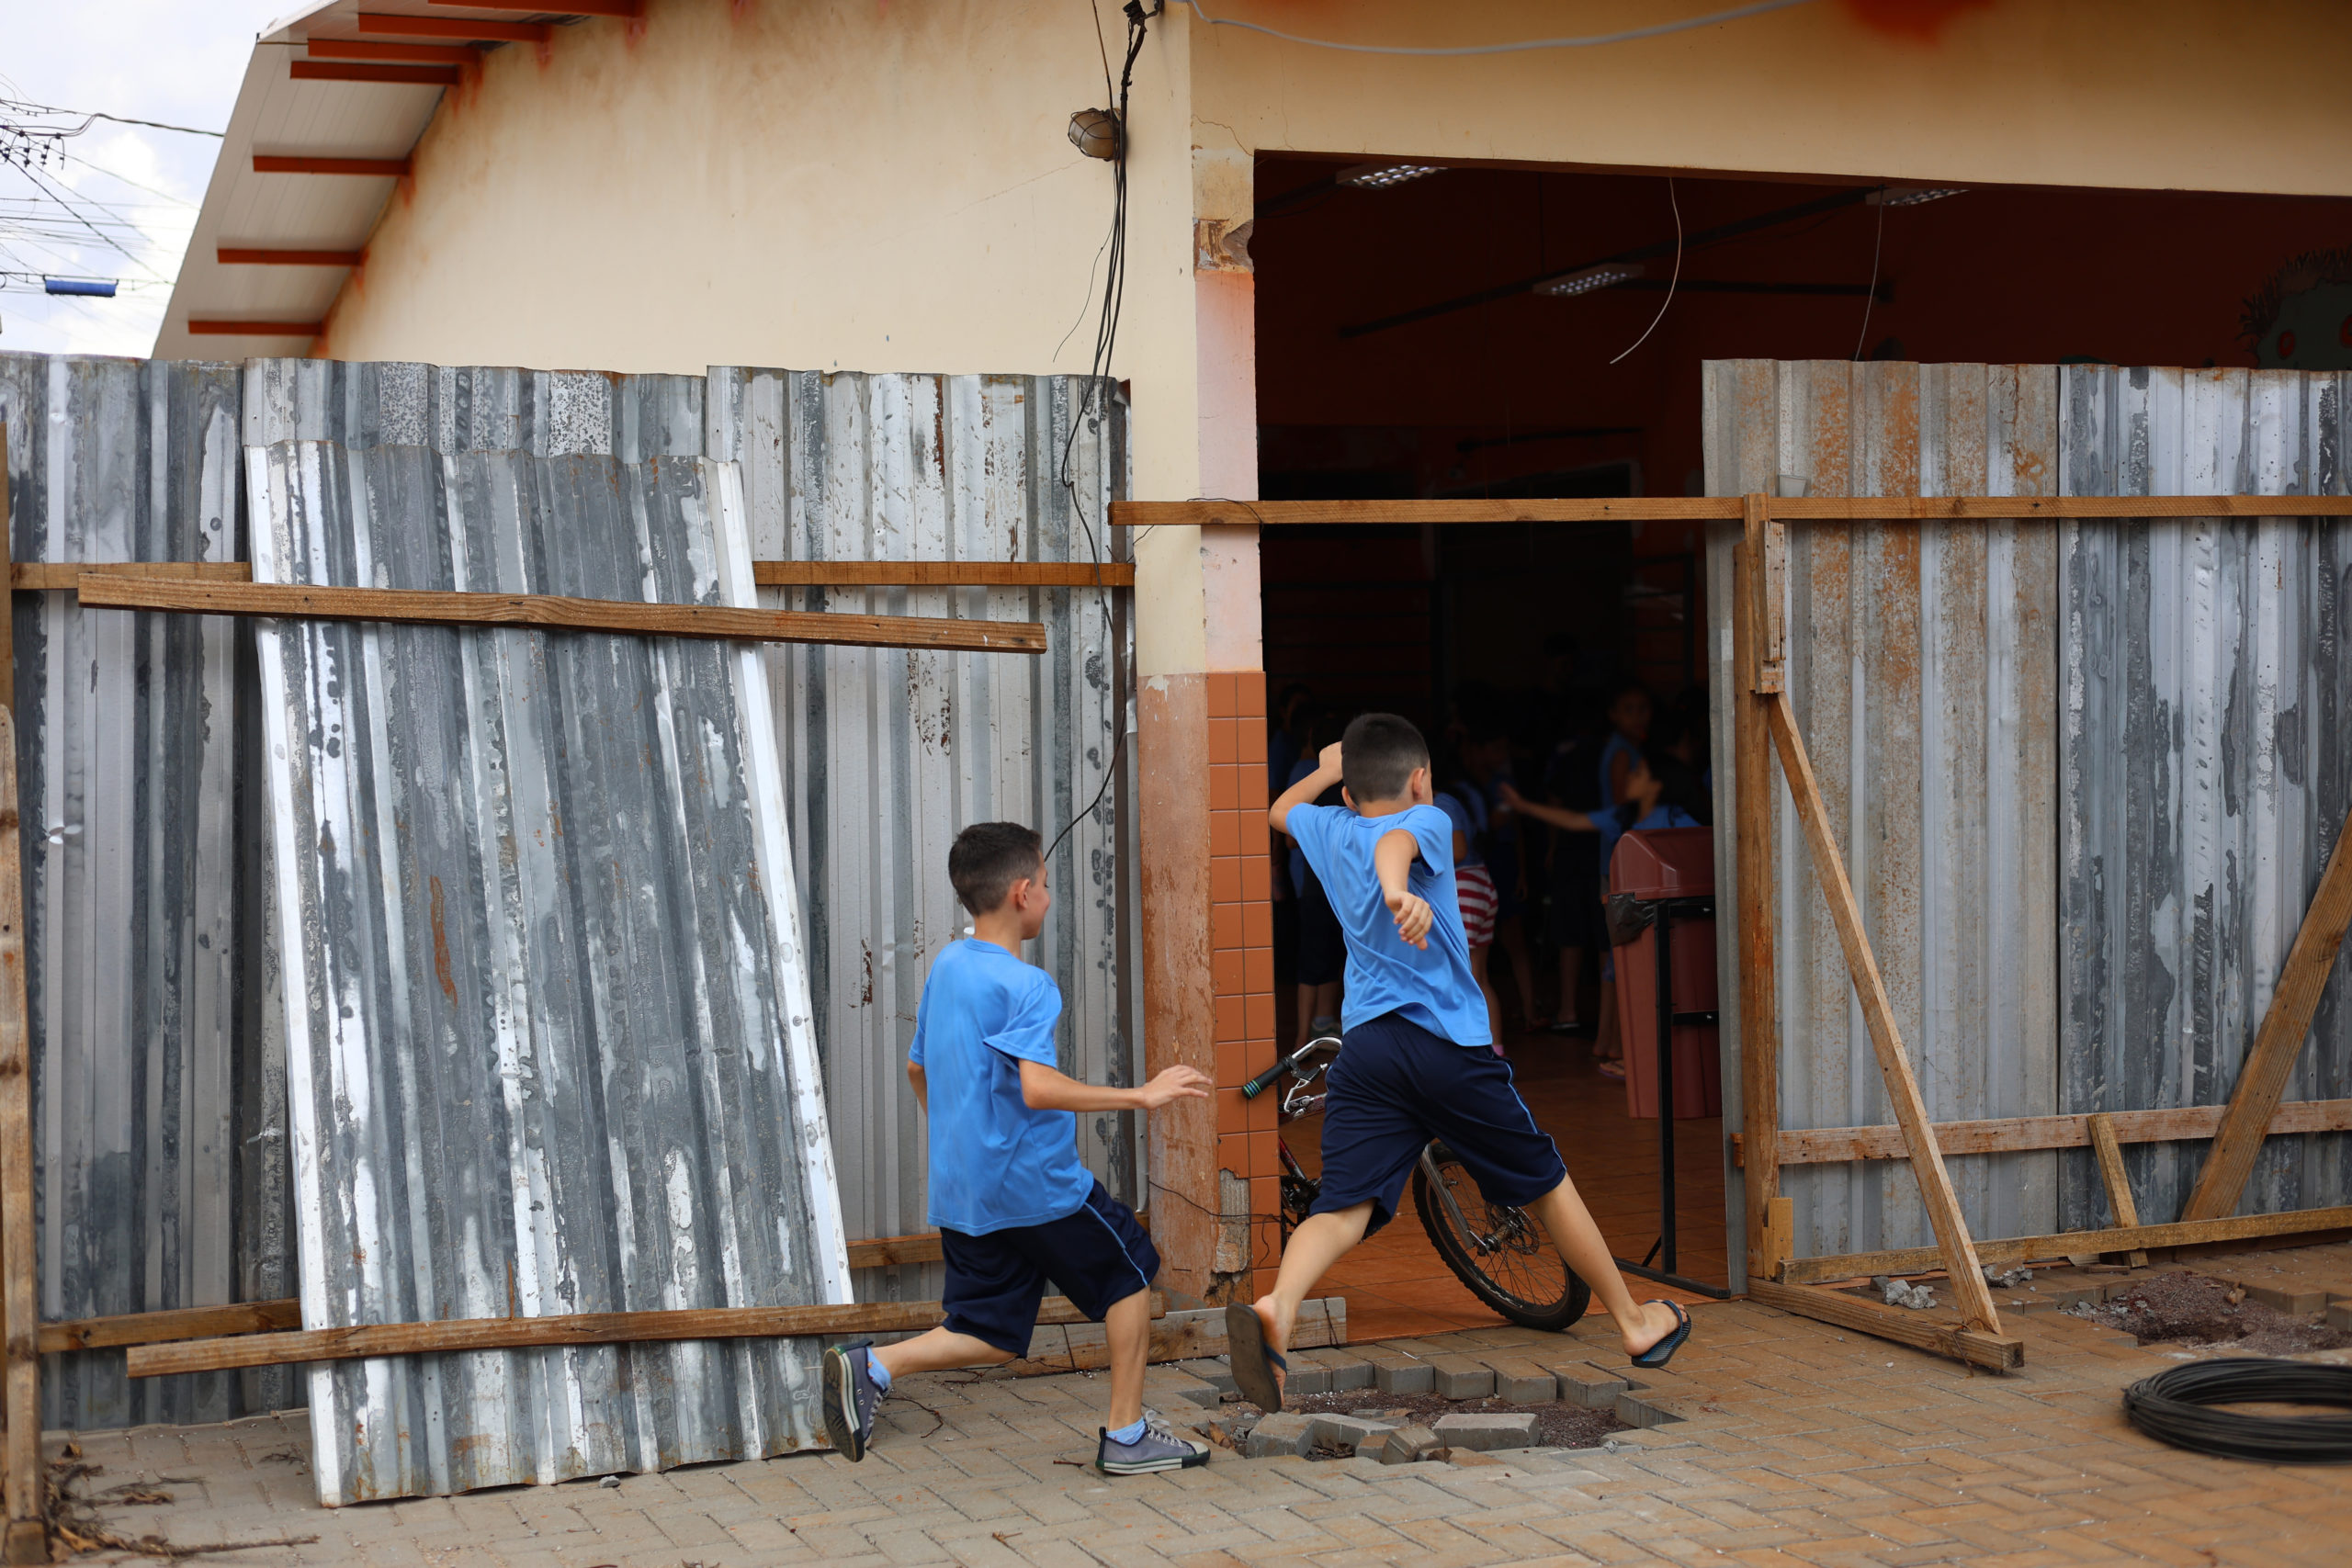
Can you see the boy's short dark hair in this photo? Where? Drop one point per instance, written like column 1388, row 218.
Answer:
column 988, row 858
column 1378, row 754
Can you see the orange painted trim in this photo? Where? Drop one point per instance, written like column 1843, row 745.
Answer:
column 361, row 70
column 301, row 163
column 455, row 27
column 201, row 328
column 416, row 53
column 231, row 256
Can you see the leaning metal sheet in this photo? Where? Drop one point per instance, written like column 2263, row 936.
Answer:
column 548, row 1042
column 891, row 753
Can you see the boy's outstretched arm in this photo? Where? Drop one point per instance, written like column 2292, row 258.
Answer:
column 1303, row 793
column 921, row 1086
column 1049, row 1088
column 1392, row 858
column 1559, row 817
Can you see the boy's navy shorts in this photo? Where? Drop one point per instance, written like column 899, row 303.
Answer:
column 1098, row 1258
column 1394, row 1085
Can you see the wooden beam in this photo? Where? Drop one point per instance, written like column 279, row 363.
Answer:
column 382, row 25
column 2013, row 1134
column 2028, row 1248
column 248, row 255
column 2285, row 1026
column 205, row 327
column 629, row 8
column 943, row 574
column 1726, row 509
column 38, row 576
column 293, row 600
column 570, row 1328
column 7, row 554
column 2118, row 1182
column 178, row 1322
column 2028, row 508
column 416, row 53
column 1899, row 1324
column 1759, row 1033
column 889, row 1251
column 1878, row 1015
column 368, row 71
column 303, row 163
column 21, row 1479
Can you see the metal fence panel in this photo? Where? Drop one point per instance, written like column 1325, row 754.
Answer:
column 159, row 1117
column 1923, row 668
column 549, row 1048
column 891, row 753
column 2206, row 766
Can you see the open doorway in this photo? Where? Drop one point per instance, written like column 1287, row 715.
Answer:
column 1517, row 333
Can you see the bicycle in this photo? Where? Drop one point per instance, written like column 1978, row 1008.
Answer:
column 1503, row 1256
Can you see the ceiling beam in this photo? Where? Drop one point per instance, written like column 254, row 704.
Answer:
column 237, row 255
column 454, row 26
column 370, row 70
column 204, row 328
column 416, row 53
column 302, row 163
column 631, row 8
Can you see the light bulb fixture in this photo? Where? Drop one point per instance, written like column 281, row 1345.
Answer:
column 1602, row 276
column 1095, row 132
column 1911, row 196
column 1381, row 176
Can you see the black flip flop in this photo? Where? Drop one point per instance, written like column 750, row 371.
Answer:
column 1253, row 1361
column 1659, row 1354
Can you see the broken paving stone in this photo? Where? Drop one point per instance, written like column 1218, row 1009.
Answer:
column 1350, row 1433
column 2008, row 1279
column 1480, row 1433
column 1903, row 1294
column 1287, row 1433
column 1406, row 1445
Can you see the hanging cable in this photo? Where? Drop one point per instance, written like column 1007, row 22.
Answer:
column 1676, row 203
column 1877, row 246
column 1590, row 40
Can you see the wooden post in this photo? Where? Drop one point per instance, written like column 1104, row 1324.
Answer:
column 26, row 1536
column 1878, row 1013
column 2278, row 1042
column 2109, row 1150
column 7, row 575
column 1759, row 1034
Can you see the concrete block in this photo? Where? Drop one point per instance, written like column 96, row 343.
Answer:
column 1459, row 1376
column 1408, row 1444
column 1581, row 1382
column 2339, row 1313
column 1349, row 1432
column 1522, row 1381
column 1482, row 1432
column 1648, row 1407
column 1305, row 1377
column 1217, row 1373
column 1285, row 1433
column 1166, row 1385
column 2297, row 1301
column 1348, row 1369
column 1393, row 1372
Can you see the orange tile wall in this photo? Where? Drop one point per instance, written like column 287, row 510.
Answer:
column 1241, row 942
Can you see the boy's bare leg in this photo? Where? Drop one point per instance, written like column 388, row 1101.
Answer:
column 1562, row 1212
column 1512, row 937
column 1319, row 1241
column 939, row 1349
column 1127, row 1326
column 1571, row 971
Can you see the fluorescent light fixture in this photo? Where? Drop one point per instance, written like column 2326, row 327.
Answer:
column 1912, row 195
column 1380, row 176
column 1591, row 278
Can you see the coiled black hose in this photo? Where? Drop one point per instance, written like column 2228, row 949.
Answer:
column 2172, row 1406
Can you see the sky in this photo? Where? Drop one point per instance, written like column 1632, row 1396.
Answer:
column 136, row 190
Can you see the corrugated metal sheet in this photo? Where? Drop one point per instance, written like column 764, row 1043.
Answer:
column 158, row 1084
column 1923, row 666
column 890, row 753
column 549, row 1045
column 2205, row 763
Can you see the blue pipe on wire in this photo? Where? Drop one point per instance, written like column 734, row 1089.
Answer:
column 99, row 287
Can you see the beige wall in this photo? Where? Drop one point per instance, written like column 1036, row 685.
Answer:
column 2211, row 94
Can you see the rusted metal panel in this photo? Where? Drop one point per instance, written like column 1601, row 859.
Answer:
column 1922, row 665
column 548, row 1040
column 159, row 1114
column 890, row 753
column 2206, row 765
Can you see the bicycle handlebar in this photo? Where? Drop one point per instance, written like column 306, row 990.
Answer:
column 1288, row 1064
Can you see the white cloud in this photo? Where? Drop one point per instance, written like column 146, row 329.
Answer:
column 161, row 60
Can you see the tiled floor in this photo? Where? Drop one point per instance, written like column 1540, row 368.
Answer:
column 1396, row 1284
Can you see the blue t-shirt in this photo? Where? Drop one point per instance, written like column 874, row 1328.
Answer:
column 1432, row 987
column 994, row 1162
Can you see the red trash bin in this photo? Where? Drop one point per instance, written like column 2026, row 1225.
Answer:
column 1670, row 873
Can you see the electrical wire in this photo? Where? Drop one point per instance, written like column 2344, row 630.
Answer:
column 20, row 107
column 1878, row 246
column 1675, row 202
column 2174, row 1405
column 1590, row 40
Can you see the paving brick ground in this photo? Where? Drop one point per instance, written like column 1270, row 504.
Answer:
column 1796, row 1444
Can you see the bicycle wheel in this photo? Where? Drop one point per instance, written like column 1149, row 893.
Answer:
column 1498, row 1251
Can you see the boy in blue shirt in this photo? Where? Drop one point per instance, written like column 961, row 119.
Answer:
column 1413, row 1063
column 1014, row 1204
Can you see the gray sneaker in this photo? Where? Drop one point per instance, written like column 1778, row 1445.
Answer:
column 1158, row 1448
column 850, row 1398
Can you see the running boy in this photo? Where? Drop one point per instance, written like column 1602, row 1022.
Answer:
column 1413, row 1064
column 1013, row 1205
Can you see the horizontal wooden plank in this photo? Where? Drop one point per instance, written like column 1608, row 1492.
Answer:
column 2026, row 1249
column 179, row 1323
column 369, row 49
column 1722, row 508
column 386, row 25
column 248, row 255
column 2019, row 508
column 1196, row 1335
column 890, row 1251
column 571, row 1328
column 630, row 8
column 309, row 164
column 1917, row 1329
column 208, row 326
column 943, row 574
column 1832, row 1145
column 33, row 576
column 551, row 611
